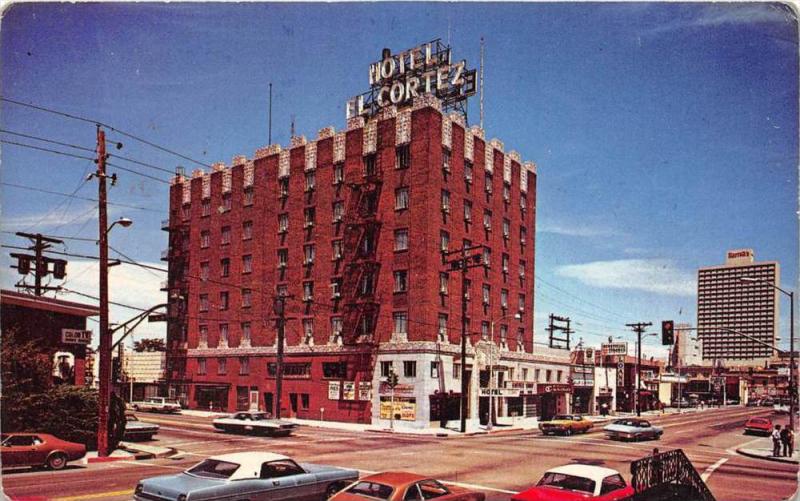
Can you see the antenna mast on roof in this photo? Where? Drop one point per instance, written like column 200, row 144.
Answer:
column 481, row 82
column 269, row 139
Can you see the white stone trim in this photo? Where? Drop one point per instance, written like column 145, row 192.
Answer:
column 249, row 170
column 447, row 132
column 403, row 129
column 370, row 137
column 311, row 156
column 226, row 181
column 206, row 186
column 326, row 132
column 283, row 163
column 469, row 145
column 339, row 147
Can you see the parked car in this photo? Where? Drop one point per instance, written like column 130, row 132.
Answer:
column 38, row 449
column 633, row 429
column 251, row 475
column 758, row 426
column 753, row 402
column 157, row 404
column 402, row 486
column 684, row 403
column 566, row 424
column 254, row 422
column 138, row 430
column 578, row 482
column 767, row 402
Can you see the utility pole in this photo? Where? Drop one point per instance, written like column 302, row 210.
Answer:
column 639, row 328
column 464, row 262
column 279, row 307
column 41, row 263
column 105, row 336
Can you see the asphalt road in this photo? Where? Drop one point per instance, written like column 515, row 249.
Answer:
column 498, row 464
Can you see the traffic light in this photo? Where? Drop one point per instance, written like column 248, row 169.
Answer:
column 667, row 332
column 59, row 268
column 23, row 265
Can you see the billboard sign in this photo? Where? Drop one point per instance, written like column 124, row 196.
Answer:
column 615, row 348
column 76, row 336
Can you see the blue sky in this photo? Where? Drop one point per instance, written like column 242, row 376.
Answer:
column 664, row 133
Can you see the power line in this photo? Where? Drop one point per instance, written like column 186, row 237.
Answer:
column 37, row 138
column 144, row 164
column 40, row 190
column 541, row 280
column 97, row 122
column 163, row 181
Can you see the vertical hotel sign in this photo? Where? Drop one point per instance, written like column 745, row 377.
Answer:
column 427, row 69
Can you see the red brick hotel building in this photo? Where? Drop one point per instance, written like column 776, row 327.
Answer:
column 350, row 228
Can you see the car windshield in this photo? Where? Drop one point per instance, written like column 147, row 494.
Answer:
column 259, row 416
column 371, row 489
column 213, row 468
column 171, row 402
column 568, row 482
column 562, row 417
column 626, row 422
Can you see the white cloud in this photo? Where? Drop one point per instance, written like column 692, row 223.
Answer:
column 732, row 14
column 659, row 276
column 51, row 218
column 574, row 230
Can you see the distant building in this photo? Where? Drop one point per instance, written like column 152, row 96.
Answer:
column 144, row 373
column 725, row 304
column 689, row 346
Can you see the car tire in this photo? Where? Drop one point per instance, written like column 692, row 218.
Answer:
column 332, row 489
column 568, row 432
column 57, row 461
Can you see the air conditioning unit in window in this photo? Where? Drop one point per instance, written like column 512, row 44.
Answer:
column 488, row 190
column 281, row 266
column 487, row 226
column 336, row 295
column 505, row 269
column 308, row 224
column 308, row 299
column 282, row 231
column 445, row 209
column 308, row 262
column 468, row 178
column 446, row 167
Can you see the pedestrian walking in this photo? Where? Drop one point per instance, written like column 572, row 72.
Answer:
column 776, row 441
column 787, row 439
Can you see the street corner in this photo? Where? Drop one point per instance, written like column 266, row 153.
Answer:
column 144, row 451
column 762, row 449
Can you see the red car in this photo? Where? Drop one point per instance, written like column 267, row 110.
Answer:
column 578, row 482
column 38, row 449
column 401, row 486
column 758, row 426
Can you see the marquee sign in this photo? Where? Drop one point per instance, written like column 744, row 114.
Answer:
column 398, row 78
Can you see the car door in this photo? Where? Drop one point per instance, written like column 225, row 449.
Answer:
column 280, row 481
column 40, row 451
column 18, row 450
column 613, row 488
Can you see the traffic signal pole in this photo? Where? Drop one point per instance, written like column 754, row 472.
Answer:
column 639, row 329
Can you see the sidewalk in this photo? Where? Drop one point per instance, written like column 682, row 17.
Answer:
column 761, row 448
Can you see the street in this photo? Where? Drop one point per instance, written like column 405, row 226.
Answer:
column 498, row 464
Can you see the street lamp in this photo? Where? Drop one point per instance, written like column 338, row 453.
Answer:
column 516, row 316
column 792, row 380
column 104, row 347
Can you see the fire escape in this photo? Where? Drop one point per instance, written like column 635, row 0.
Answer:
column 176, row 286
column 361, row 271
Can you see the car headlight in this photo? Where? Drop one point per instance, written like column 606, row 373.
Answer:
column 139, row 488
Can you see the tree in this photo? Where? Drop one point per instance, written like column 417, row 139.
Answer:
column 149, row 344
column 25, row 370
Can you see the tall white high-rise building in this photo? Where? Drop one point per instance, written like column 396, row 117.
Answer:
column 728, row 306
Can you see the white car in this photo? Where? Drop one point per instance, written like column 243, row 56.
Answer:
column 633, row 429
column 157, row 404
column 578, row 482
column 254, row 422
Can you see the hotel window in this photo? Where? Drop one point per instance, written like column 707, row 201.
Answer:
column 467, row 171
column 523, row 203
column 222, row 366
column 247, row 230
column 487, row 257
column 487, row 294
column 487, row 220
column 308, row 291
column 386, row 369
column 338, row 173
column 537, row 374
column 503, row 336
column 223, row 334
column 186, row 211
column 203, row 302
column 337, row 249
column 282, row 290
column 558, row 376
column 488, row 183
column 523, row 233
column 205, row 239
column 442, row 327
column 247, row 298
column 445, row 201
column 484, row 330
column 369, row 164
column 400, row 323
column 444, row 283
column 409, row 368
column 205, row 206
column 445, row 159
column 308, row 254
column 524, row 373
column 444, row 241
column 336, row 288
column 203, row 336
column 248, row 196
column 403, row 157
column 456, row 371
column 400, row 240
column 506, row 229
column 283, row 223
column 338, row 211
column 520, row 339
column 521, row 303
column 367, row 284
column 467, row 211
column 548, row 375
column 283, row 258
column 226, row 235
column 504, row 299
column 308, row 331
column 435, row 369
column 247, row 264
column 522, row 270
column 506, row 192
column 401, row 281
column 224, row 267
column 310, row 181
column 505, row 264
column 226, row 202
column 401, row 198
column 244, row 366
column 309, row 215
column 223, row 300
column 201, row 366
column 283, row 186
column 204, row 270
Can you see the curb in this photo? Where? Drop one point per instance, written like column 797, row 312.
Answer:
column 766, row 458
column 108, row 459
column 142, row 455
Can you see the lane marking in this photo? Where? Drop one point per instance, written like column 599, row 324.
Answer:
column 97, row 495
column 712, row 468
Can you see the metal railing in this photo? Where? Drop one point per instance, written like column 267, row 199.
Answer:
column 667, row 475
